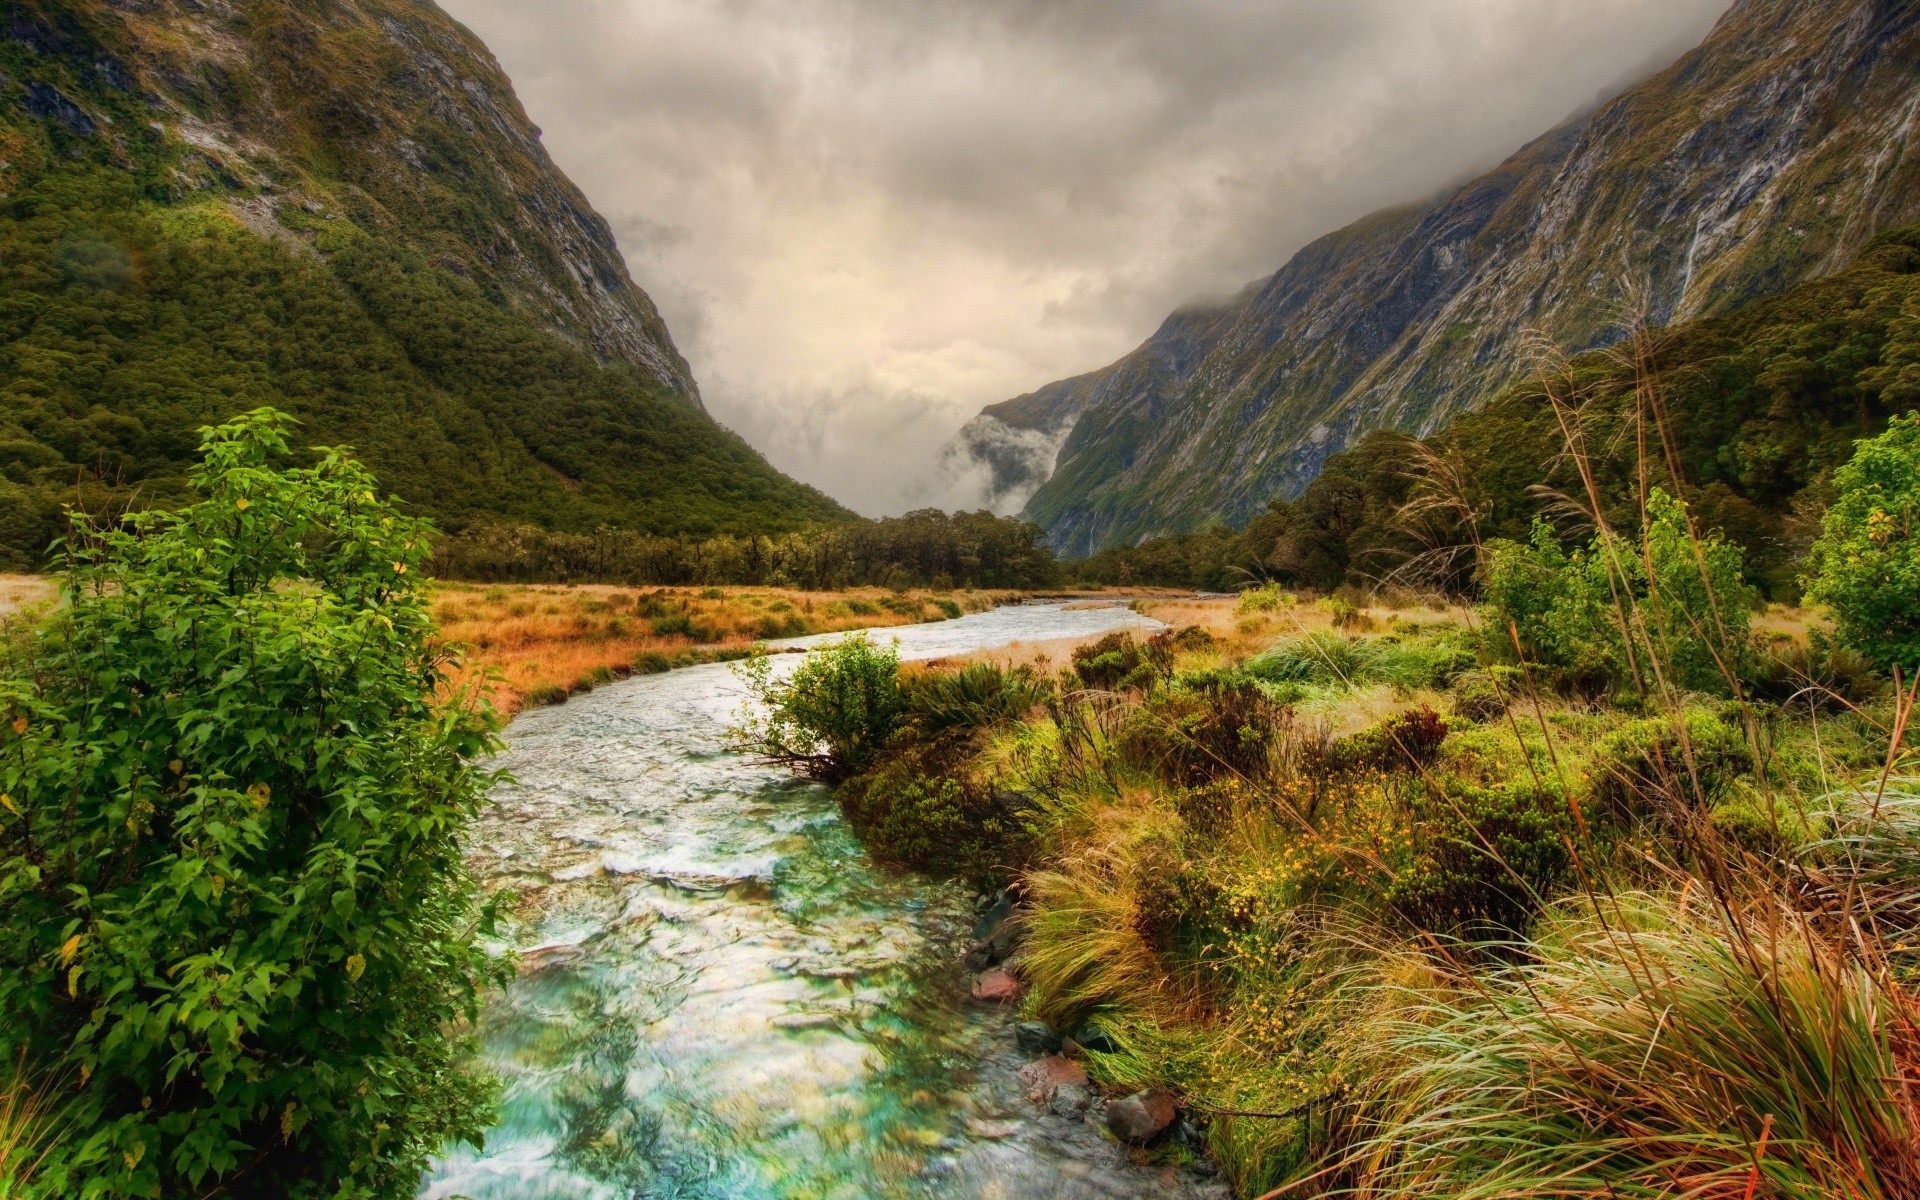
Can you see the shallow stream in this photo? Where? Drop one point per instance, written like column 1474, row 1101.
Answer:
column 721, row 998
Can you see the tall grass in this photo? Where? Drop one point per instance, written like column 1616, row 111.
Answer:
column 30, row 1121
column 1663, row 1049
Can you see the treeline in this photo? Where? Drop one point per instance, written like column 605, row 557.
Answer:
column 927, row 548
column 1760, row 407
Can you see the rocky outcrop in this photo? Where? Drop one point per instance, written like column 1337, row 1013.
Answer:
column 388, row 113
column 1768, row 156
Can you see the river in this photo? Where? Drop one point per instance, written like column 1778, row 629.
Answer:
column 721, row 998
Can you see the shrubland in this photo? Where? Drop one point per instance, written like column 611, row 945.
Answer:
column 1600, row 880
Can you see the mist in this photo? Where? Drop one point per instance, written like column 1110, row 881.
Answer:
column 866, row 219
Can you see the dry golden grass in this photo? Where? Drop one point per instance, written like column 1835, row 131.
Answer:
column 536, row 638
column 24, row 591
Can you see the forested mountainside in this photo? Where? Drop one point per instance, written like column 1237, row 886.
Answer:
column 1768, row 156
column 337, row 208
column 1762, row 406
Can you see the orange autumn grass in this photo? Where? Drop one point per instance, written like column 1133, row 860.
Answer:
column 542, row 643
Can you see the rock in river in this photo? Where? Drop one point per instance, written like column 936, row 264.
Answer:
column 1142, row 1117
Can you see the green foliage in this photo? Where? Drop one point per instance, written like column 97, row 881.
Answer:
column 1337, row 660
column 977, row 696
column 1763, row 406
column 1866, row 565
column 1668, row 612
column 831, row 716
column 231, row 888
column 1663, row 767
column 1118, row 661
column 1205, row 728
column 912, row 812
column 1483, row 857
column 928, row 548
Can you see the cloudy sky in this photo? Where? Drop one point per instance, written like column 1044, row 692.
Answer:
column 865, row 219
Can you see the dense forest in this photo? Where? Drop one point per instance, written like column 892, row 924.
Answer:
column 1761, row 407
column 927, row 548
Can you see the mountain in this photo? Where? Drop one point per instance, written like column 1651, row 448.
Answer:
column 339, row 208
column 1768, row 156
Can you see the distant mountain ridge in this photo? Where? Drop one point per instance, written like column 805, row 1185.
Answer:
column 1769, row 155
column 337, row 208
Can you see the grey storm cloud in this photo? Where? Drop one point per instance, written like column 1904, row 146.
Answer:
column 865, row 219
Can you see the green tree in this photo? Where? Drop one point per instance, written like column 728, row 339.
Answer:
column 232, row 899
column 1866, row 564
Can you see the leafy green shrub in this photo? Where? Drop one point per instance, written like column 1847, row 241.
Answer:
column 1117, row 661
column 831, row 716
column 1483, row 695
column 1866, row 565
column 1405, row 741
column 1265, row 599
column 911, row 812
column 231, row 888
column 1481, row 856
column 1212, row 726
column 790, row 625
column 1568, row 609
column 1644, row 769
column 976, row 696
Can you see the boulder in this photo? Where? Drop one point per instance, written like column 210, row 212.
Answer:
column 997, row 986
column 1144, row 1117
column 1091, row 1037
column 1037, row 1037
column 1070, row 1100
column 995, row 933
column 1043, row 1076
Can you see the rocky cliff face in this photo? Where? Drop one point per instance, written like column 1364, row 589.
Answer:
column 1768, row 156
column 388, row 113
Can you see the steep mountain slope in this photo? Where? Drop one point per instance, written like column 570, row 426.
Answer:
column 1768, row 156
column 339, row 208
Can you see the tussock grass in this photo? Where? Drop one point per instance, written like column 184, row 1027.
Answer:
column 1663, row 1047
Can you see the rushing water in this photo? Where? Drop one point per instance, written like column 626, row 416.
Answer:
column 720, row 997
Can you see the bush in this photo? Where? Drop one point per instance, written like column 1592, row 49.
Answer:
column 1866, row 565
column 976, row 696
column 1642, row 769
column 231, row 888
column 831, row 717
column 1566, row 609
column 1481, row 857
column 1210, row 727
column 1117, row 661
column 911, row 813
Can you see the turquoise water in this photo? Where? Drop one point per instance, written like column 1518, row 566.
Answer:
column 720, row 997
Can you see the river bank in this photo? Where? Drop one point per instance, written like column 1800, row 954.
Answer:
column 1351, row 893
column 533, row 645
